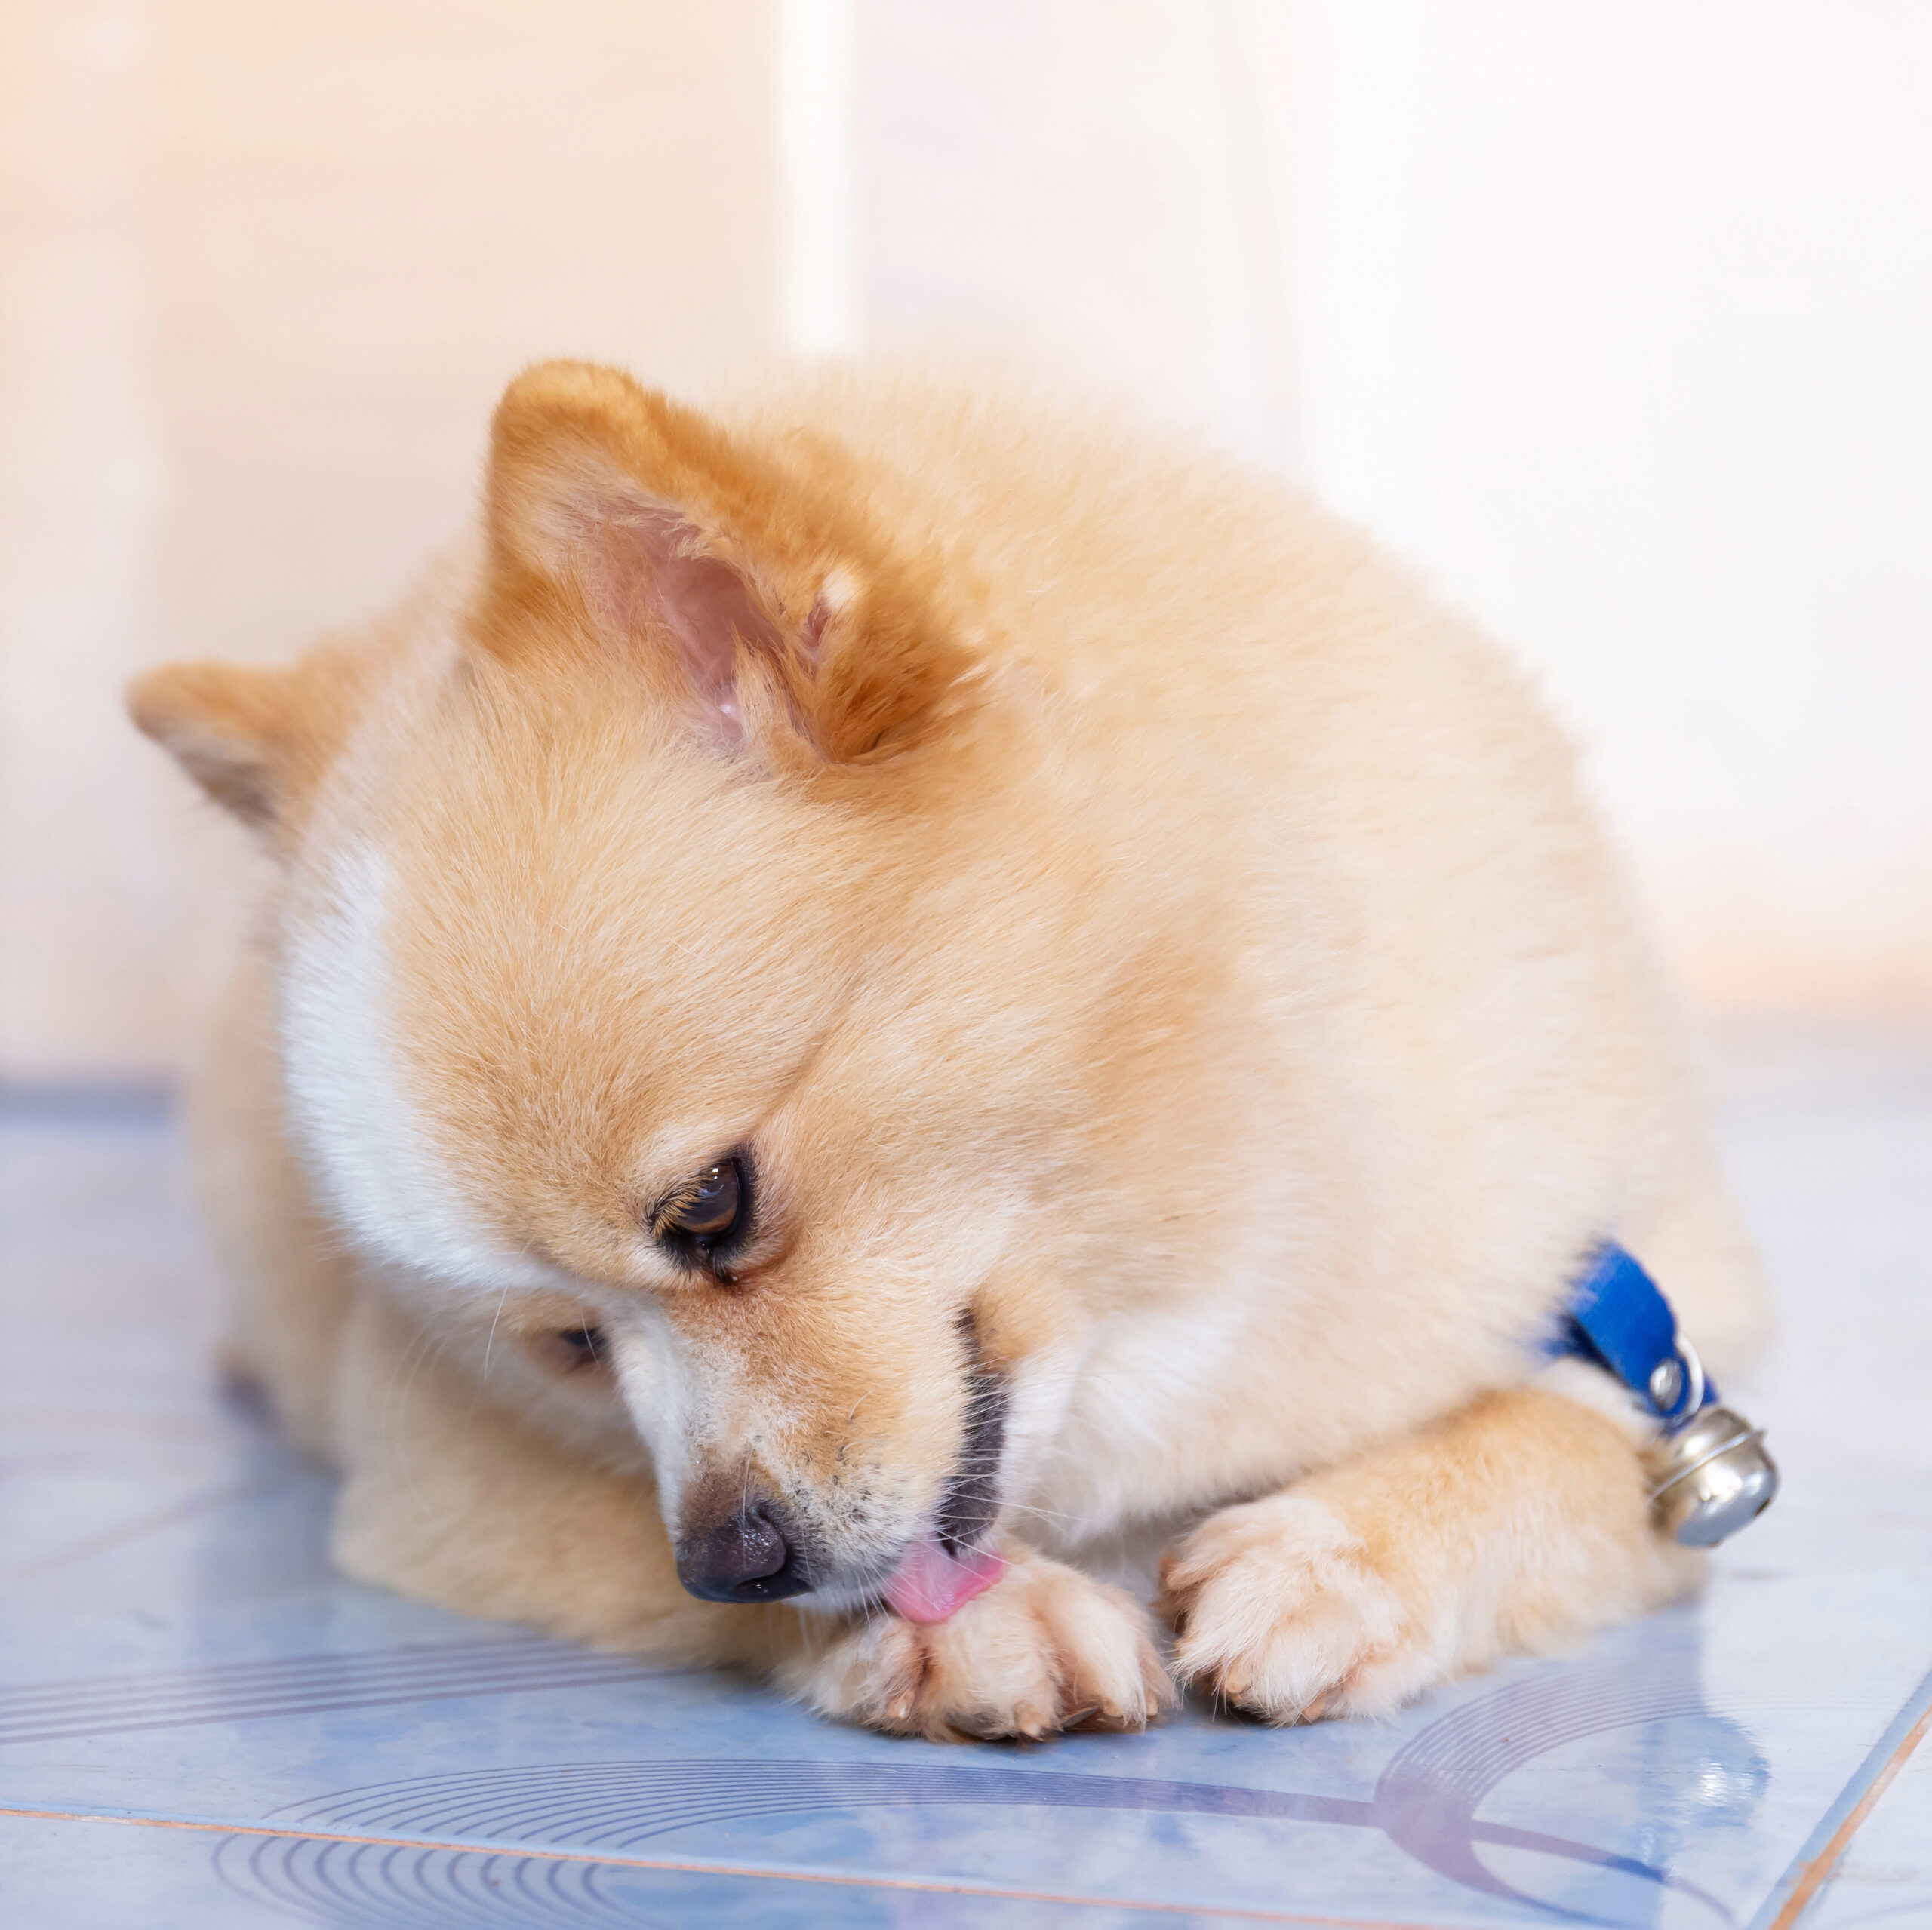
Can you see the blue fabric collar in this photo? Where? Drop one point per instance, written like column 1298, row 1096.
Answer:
column 1617, row 1319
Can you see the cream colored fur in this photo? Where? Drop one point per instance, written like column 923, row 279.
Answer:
column 1115, row 904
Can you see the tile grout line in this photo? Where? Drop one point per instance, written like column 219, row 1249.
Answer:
column 1812, row 1869
column 929, row 1886
column 206, row 1501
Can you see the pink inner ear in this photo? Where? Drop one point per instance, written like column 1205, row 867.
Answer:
column 640, row 567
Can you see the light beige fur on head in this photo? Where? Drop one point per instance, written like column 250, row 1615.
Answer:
column 1149, row 960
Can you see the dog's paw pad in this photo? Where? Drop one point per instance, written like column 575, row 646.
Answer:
column 1278, row 1610
column 1046, row 1648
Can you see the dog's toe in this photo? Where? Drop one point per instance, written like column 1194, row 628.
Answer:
column 1046, row 1648
column 1282, row 1613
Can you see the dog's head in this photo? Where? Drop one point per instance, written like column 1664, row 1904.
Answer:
column 667, row 988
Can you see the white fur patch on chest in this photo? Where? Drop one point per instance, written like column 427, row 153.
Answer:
column 365, row 1139
column 1126, row 1449
column 1598, row 1389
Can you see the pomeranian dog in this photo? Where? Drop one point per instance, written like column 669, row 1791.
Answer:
column 870, row 994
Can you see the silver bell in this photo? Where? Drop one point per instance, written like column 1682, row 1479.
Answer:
column 1713, row 1477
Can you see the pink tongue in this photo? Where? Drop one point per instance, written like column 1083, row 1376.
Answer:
column 929, row 1584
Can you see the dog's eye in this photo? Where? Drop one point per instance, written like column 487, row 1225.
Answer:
column 705, row 1214
column 586, row 1345
column 572, row 1349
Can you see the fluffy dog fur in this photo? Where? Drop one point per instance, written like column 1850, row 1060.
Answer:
column 1154, row 962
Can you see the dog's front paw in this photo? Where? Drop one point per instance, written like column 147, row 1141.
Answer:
column 1279, row 1607
column 1044, row 1649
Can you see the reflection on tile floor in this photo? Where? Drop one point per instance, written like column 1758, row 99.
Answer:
column 200, row 1724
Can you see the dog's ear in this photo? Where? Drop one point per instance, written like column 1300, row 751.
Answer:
column 618, row 517
column 255, row 740
column 225, row 725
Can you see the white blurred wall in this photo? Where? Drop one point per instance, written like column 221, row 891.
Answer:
column 1618, row 317
column 1612, row 317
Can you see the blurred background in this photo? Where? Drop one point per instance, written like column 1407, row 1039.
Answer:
column 1616, row 319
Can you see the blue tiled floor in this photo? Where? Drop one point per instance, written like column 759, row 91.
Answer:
column 200, row 1724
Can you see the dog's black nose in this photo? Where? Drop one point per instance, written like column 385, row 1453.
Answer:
column 746, row 1557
